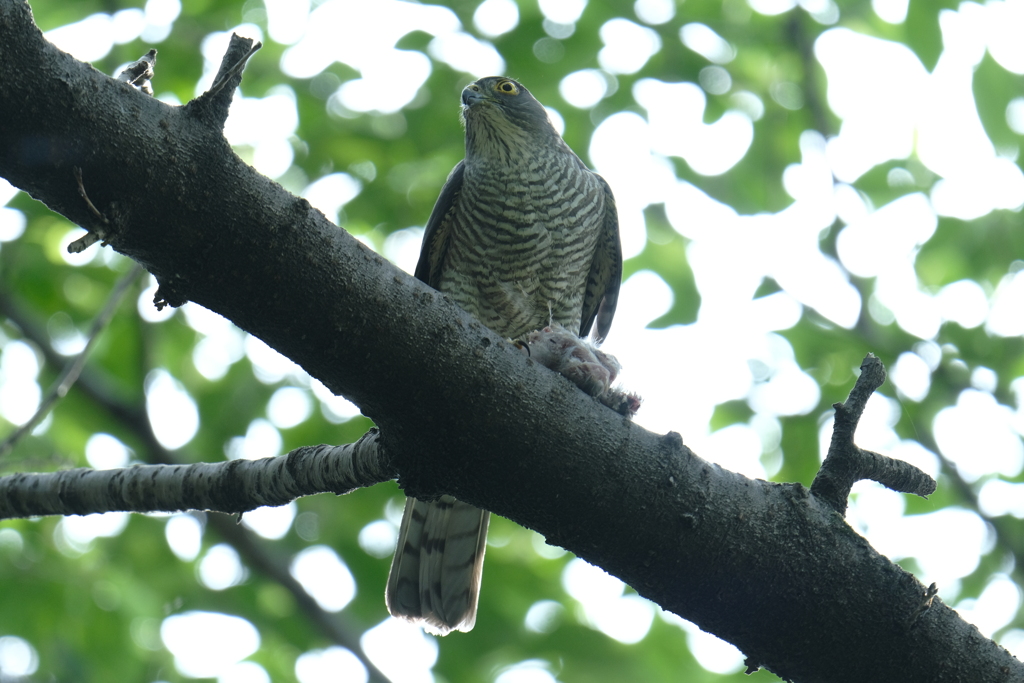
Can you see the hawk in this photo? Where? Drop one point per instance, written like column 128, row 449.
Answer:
column 523, row 236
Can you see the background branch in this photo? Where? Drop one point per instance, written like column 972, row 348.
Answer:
column 73, row 368
column 233, row 486
column 255, row 551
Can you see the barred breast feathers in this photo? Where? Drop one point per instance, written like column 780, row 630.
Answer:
column 520, row 265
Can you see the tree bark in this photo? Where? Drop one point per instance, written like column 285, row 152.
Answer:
column 768, row 567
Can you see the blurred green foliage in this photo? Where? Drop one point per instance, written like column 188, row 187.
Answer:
column 95, row 615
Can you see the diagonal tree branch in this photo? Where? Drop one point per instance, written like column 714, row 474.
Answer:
column 334, row 627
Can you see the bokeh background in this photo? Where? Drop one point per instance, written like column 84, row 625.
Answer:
column 799, row 183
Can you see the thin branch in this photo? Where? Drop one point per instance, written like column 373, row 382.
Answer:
column 96, row 234
column 73, row 369
column 336, row 628
column 231, row 487
column 1007, row 529
column 253, row 550
column 927, row 600
column 847, row 464
column 85, row 196
column 137, row 74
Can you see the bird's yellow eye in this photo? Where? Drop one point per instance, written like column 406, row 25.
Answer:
column 507, row 87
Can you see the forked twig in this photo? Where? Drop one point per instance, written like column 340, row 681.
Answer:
column 847, row 464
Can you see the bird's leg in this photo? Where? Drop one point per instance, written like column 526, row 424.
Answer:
column 587, row 366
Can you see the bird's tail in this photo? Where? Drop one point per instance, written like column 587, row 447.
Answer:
column 435, row 576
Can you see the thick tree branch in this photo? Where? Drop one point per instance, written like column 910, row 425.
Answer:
column 233, row 486
column 766, row 566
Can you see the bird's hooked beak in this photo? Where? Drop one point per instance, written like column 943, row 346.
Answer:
column 472, row 94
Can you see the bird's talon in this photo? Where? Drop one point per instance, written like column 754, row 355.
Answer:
column 522, row 346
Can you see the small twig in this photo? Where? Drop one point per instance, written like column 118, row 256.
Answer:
column 82, row 193
column 140, row 73
column 93, row 236
column 847, row 464
column 926, row 603
column 233, row 71
column 137, row 74
column 83, row 243
column 73, row 369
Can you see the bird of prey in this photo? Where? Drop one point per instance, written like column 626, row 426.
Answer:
column 523, row 236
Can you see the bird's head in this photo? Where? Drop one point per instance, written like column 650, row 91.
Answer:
column 497, row 110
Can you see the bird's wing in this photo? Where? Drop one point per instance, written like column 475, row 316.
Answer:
column 436, row 236
column 605, row 272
